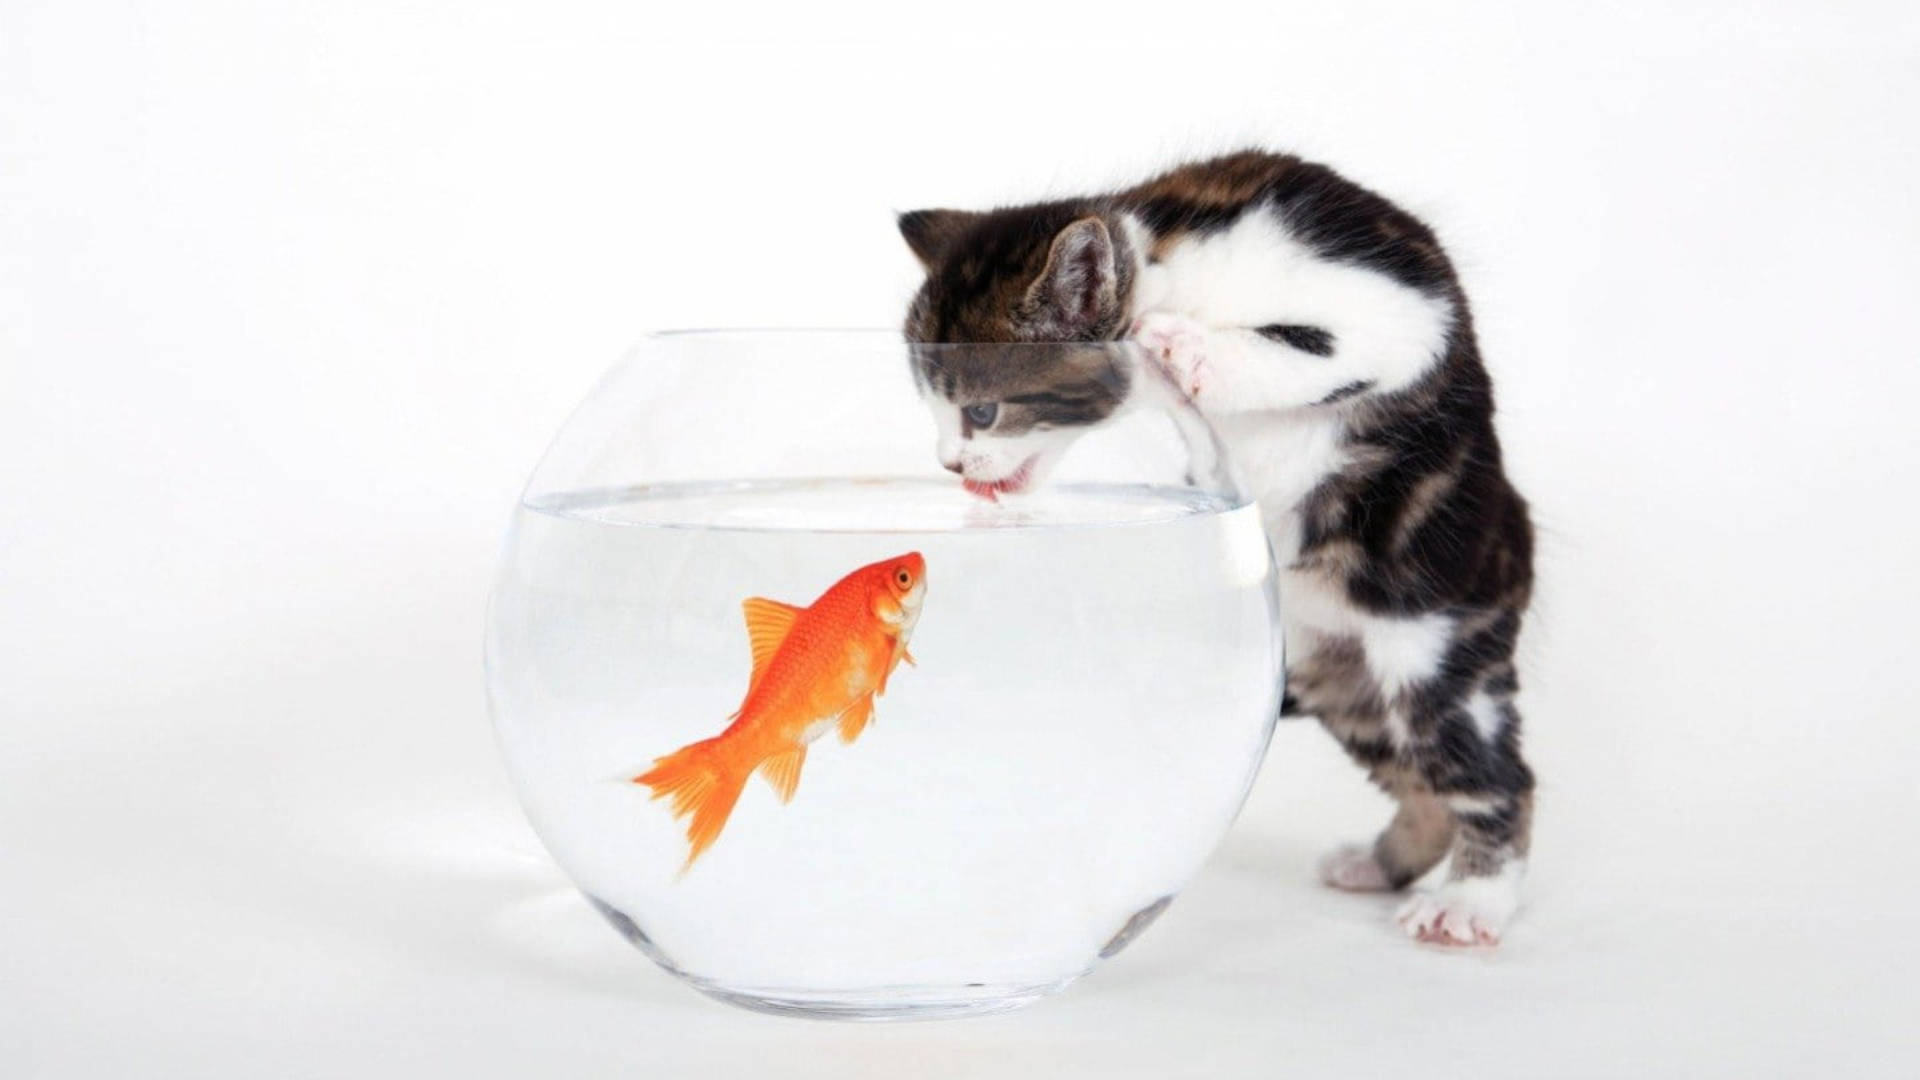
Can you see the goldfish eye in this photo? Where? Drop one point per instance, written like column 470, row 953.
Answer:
column 902, row 578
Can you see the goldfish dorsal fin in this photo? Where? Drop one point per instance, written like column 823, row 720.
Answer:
column 782, row 771
column 768, row 622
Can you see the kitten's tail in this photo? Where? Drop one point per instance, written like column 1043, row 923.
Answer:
column 702, row 782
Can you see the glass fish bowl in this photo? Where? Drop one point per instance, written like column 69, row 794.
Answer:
column 854, row 678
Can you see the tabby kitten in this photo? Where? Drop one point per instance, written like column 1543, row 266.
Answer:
column 1323, row 331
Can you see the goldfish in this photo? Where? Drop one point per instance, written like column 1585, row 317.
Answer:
column 814, row 669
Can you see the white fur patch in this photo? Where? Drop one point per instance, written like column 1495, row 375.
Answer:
column 1255, row 273
column 1400, row 652
column 1466, row 911
column 1284, row 457
column 946, row 424
column 1403, row 652
column 1473, row 804
column 1139, row 239
column 1486, row 714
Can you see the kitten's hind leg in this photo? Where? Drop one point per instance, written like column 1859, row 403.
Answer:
column 1488, row 789
column 1482, row 890
column 1413, row 843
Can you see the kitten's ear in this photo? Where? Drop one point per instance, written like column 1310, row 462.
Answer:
column 932, row 233
column 1077, row 294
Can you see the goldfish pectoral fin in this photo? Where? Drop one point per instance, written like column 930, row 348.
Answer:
column 908, row 657
column 856, row 718
column 782, row 771
column 768, row 623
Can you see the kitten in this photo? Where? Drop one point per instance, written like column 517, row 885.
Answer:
column 1323, row 331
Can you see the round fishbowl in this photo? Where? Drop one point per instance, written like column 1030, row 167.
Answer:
column 857, row 678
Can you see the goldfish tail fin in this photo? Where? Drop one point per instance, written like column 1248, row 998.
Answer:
column 701, row 783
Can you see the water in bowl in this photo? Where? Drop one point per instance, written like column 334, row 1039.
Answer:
column 1096, row 682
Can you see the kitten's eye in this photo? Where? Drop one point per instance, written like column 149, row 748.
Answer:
column 982, row 416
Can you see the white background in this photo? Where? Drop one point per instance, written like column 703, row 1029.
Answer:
column 292, row 295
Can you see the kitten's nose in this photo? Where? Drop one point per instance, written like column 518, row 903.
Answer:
column 953, row 467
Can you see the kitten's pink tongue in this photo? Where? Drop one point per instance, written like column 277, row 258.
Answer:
column 986, row 491
column 990, row 490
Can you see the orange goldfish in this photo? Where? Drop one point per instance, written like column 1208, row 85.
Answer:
column 814, row 668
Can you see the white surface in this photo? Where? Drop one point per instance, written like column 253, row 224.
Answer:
column 292, row 295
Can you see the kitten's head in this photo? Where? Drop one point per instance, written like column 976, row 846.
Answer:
column 1059, row 273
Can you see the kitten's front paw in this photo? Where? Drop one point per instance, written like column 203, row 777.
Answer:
column 1466, row 911
column 1354, row 869
column 1178, row 344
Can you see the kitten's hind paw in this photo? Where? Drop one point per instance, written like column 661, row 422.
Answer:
column 1178, row 345
column 1465, row 911
column 1354, row 869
